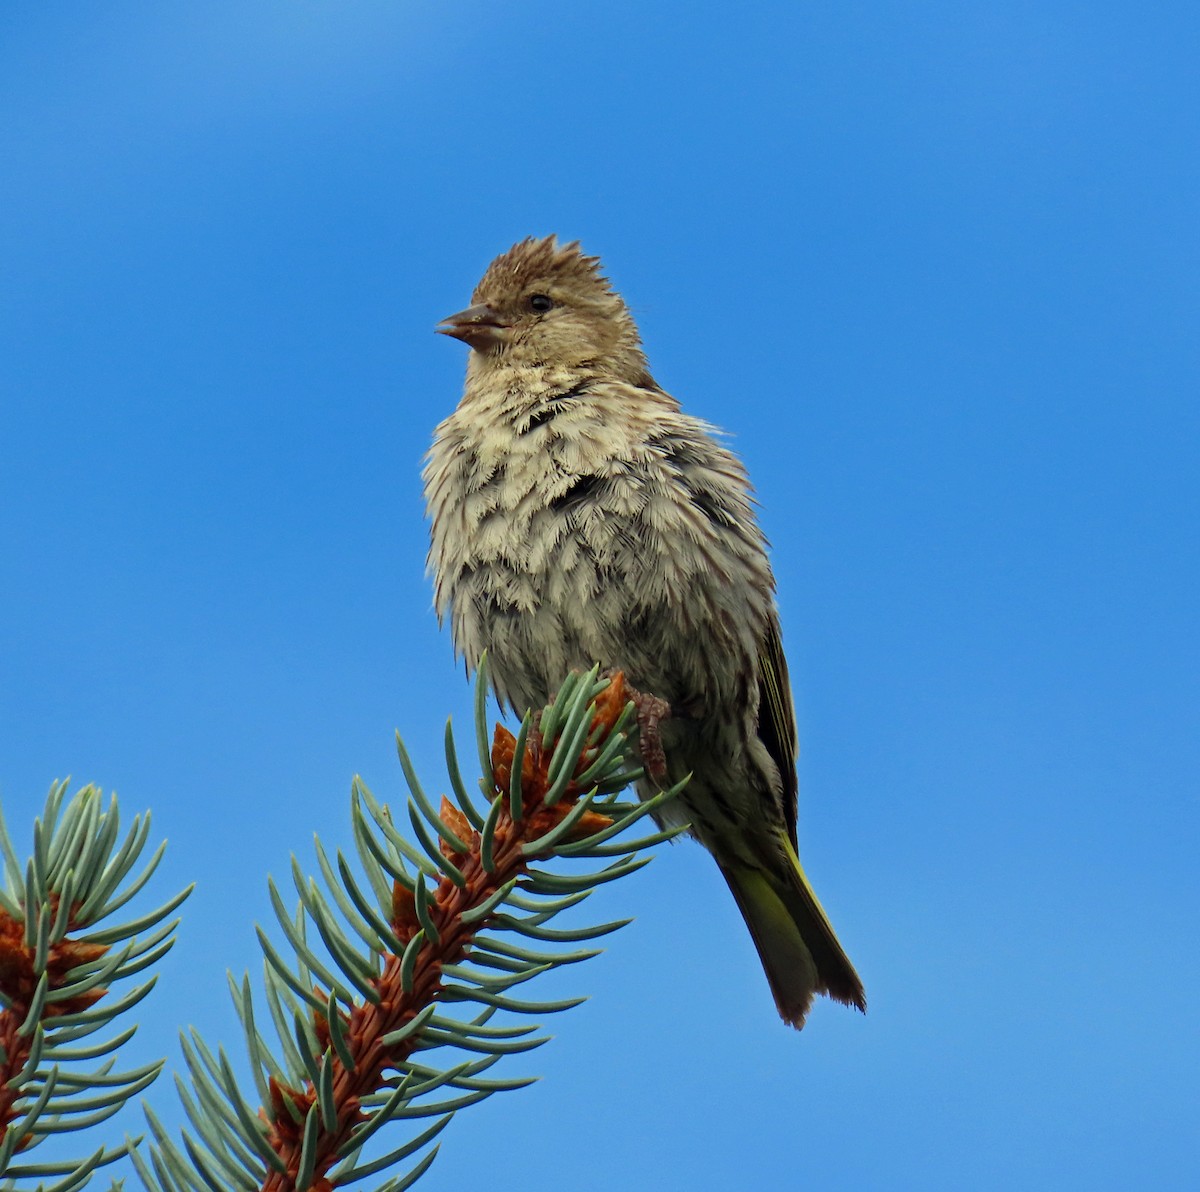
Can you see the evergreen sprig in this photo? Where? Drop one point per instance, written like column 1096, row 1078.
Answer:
column 58, row 966
column 416, row 956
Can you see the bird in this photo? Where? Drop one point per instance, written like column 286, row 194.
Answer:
column 579, row 516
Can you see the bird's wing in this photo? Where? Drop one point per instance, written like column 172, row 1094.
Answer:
column 776, row 718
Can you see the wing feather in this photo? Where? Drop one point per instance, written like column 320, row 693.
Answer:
column 777, row 718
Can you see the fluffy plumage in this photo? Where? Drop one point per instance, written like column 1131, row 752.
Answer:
column 580, row 516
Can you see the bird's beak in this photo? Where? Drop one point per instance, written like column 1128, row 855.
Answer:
column 478, row 325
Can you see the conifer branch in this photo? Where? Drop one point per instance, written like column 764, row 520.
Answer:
column 413, row 959
column 58, row 966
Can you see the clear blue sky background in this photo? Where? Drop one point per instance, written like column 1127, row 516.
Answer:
column 934, row 265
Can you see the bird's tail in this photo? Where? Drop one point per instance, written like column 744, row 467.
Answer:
column 799, row 951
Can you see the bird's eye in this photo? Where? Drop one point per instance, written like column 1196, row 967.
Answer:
column 541, row 303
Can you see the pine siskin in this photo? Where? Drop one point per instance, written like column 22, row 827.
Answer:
column 579, row 516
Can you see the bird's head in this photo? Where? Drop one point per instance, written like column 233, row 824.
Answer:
column 544, row 303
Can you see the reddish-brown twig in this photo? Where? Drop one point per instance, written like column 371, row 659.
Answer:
column 368, row 1023
column 19, row 980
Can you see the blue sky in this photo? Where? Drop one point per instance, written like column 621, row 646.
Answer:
column 935, row 268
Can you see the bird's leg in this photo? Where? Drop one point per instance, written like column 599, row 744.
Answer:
column 535, row 731
column 651, row 712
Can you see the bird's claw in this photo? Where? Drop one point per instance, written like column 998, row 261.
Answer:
column 651, row 712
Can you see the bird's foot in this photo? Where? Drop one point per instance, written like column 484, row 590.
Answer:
column 535, row 731
column 651, row 712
